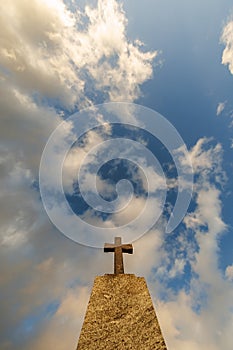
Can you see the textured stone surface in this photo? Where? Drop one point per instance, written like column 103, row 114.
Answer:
column 120, row 315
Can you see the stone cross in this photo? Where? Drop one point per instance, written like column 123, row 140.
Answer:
column 118, row 248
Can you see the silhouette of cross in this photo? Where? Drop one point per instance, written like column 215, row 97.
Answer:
column 118, row 248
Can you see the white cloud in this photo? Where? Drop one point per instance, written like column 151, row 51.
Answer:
column 32, row 48
column 182, row 327
column 208, row 289
column 107, row 36
column 186, row 329
column 220, row 108
column 49, row 52
column 178, row 268
column 76, row 157
column 65, row 323
column 227, row 40
column 50, row 56
column 229, row 272
column 24, row 127
column 148, row 252
column 46, row 53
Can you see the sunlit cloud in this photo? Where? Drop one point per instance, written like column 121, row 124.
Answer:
column 227, row 40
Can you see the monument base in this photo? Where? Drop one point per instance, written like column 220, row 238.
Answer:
column 120, row 315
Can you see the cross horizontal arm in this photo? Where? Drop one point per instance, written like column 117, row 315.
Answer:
column 127, row 248
column 109, row 248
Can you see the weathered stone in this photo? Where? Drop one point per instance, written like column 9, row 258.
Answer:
column 120, row 315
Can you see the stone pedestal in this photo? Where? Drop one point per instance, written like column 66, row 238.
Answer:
column 120, row 315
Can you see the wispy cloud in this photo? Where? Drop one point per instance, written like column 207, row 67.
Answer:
column 220, row 108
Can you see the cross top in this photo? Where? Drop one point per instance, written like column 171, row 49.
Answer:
column 118, row 248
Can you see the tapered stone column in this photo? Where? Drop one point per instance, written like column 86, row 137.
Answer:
column 120, row 315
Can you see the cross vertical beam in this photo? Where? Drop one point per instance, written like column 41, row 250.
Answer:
column 118, row 257
column 118, row 248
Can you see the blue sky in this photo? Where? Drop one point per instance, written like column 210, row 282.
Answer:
column 58, row 58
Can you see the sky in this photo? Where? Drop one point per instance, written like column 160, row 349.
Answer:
column 169, row 62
